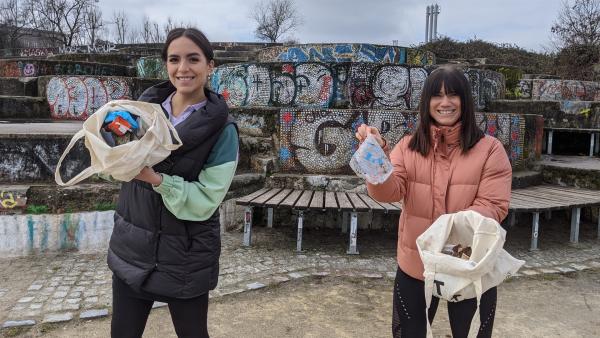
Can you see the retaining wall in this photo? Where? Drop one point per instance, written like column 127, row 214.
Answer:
column 563, row 114
column 559, row 90
column 338, row 85
column 32, row 67
column 18, row 86
column 346, row 52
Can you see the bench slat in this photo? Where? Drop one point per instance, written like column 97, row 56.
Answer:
column 291, row 199
column 397, row 205
column 262, row 199
column 556, row 199
column 359, row 205
column 343, row 201
column 389, row 207
column 371, row 202
column 274, row 202
column 330, row 202
column 317, row 200
column 583, row 193
column 304, row 201
column 245, row 200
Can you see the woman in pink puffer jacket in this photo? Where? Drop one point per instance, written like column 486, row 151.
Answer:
column 446, row 165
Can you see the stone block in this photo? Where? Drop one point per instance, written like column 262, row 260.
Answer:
column 18, row 323
column 58, row 317
column 92, row 314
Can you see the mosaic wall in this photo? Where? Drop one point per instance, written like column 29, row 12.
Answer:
column 78, row 97
column 560, row 90
column 337, row 85
column 151, row 67
column 346, row 52
column 27, row 68
column 323, row 141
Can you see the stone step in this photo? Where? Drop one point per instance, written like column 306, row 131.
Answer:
column 32, row 150
column 112, row 58
column 98, row 196
column 526, row 178
column 226, row 60
column 578, row 171
column 33, row 67
column 346, row 52
column 558, row 114
column 18, row 86
column 233, row 54
column 358, row 85
column 23, row 107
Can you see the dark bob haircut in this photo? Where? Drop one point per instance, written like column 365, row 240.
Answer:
column 454, row 81
column 193, row 34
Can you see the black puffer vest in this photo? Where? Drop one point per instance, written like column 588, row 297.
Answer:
column 150, row 248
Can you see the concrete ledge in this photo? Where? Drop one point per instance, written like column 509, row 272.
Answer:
column 18, row 86
column 23, row 107
column 560, row 114
column 37, row 67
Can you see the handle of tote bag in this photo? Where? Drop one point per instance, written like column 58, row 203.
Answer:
column 87, row 172
column 173, row 146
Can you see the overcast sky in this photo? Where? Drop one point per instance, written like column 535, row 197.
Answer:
column 523, row 22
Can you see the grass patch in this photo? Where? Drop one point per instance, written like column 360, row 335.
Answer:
column 37, row 209
column 15, row 331
column 104, row 206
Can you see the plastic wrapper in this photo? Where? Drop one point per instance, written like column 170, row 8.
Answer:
column 370, row 162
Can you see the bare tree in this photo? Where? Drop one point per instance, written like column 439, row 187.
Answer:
column 134, row 35
column 93, row 24
column 121, row 26
column 578, row 24
column 13, row 19
column 65, row 17
column 274, row 18
column 146, row 29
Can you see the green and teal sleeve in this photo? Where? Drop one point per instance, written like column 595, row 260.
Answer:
column 198, row 200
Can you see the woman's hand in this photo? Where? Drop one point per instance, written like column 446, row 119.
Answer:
column 150, row 176
column 364, row 130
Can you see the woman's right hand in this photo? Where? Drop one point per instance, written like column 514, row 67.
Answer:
column 364, row 130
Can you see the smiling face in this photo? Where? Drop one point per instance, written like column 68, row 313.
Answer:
column 445, row 107
column 188, row 67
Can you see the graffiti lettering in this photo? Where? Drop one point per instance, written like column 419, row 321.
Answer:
column 33, row 52
column 322, row 141
column 88, row 49
column 78, row 97
column 7, row 200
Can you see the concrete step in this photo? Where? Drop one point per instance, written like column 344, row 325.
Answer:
column 558, row 114
column 23, row 107
column 233, row 54
column 226, row 60
column 36, row 67
column 112, row 58
column 577, row 171
column 526, row 178
column 18, row 86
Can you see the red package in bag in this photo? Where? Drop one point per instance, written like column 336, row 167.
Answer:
column 119, row 126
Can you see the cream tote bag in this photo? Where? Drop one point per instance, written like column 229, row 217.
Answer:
column 453, row 278
column 124, row 162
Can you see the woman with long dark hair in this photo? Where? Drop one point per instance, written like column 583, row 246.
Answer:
column 165, row 244
column 445, row 166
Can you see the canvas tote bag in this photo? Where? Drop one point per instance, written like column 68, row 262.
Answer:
column 453, row 278
column 125, row 161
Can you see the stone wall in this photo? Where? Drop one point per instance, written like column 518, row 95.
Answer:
column 18, row 86
column 346, row 52
column 323, row 141
column 151, row 67
column 338, row 85
column 554, row 112
column 559, row 90
column 32, row 67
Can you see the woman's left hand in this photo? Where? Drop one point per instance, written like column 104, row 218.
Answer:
column 150, row 176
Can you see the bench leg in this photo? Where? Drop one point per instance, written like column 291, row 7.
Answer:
column 535, row 227
column 548, row 215
column 575, row 216
column 550, row 137
column 597, row 147
column 353, row 234
column 299, row 236
column 344, row 222
column 513, row 219
column 248, row 226
column 592, row 146
column 598, row 223
column 269, row 217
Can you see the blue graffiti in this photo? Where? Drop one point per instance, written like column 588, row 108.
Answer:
column 345, row 53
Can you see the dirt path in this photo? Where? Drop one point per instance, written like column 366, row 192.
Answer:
column 548, row 306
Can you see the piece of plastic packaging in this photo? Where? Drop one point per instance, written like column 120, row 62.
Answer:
column 370, row 162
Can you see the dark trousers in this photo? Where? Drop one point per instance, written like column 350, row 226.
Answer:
column 408, row 319
column 131, row 310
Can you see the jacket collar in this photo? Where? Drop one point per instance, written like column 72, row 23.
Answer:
column 445, row 138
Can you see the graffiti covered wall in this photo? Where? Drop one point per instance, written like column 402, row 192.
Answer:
column 27, row 68
column 346, row 52
column 151, row 67
column 323, row 141
column 337, row 85
column 559, row 90
column 77, row 97
column 34, row 234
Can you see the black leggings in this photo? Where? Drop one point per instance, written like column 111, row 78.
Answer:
column 408, row 319
column 131, row 310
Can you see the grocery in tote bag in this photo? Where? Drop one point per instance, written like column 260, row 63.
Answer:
column 125, row 161
column 468, row 276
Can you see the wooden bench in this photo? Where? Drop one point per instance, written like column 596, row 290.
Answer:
column 594, row 137
column 348, row 203
column 546, row 198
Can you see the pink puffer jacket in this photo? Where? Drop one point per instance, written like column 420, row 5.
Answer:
column 445, row 181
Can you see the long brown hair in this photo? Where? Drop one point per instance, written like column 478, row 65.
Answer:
column 193, row 34
column 454, row 81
